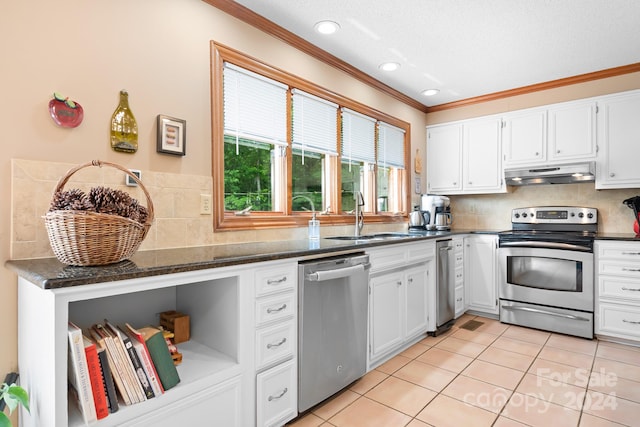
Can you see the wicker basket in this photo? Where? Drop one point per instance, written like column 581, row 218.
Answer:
column 88, row 238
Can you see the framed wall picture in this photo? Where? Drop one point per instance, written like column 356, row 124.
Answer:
column 172, row 135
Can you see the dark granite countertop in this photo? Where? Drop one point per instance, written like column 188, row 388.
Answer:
column 49, row 273
column 618, row 236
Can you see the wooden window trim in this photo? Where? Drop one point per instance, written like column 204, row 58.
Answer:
column 225, row 221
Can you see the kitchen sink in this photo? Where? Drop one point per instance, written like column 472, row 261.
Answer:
column 375, row 236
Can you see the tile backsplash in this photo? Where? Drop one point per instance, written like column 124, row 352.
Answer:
column 178, row 223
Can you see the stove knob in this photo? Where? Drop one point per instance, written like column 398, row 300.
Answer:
column 517, row 215
column 589, row 215
column 581, row 215
column 524, row 215
column 573, row 214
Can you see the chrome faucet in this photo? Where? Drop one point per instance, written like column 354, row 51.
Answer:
column 358, row 212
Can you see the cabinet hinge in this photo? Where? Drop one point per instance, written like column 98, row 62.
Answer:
column 597, row 148
column 369, row 290
column 597, row 109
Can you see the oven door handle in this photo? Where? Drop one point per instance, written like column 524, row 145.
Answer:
column 551, row 313
column 546, row 245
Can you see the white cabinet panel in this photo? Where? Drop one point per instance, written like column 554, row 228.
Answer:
column 619, row 141
column 444, row 154
column 277, row 395
column 482, row 156
column 480, row 273
column 525, row 137
column 572, row 131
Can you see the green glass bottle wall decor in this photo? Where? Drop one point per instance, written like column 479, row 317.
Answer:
column 124, row 129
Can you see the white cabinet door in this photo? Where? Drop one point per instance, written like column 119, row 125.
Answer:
column 480, row 273
column 619, row 141
column 444, row 158
column 386, row 312
column 482, row 162
column 572, row 131
column 416, row 300
column 525, row 137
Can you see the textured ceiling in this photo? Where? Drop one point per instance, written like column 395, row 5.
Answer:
column 467, row 48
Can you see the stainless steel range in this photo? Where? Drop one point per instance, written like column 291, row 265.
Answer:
column 546, row 269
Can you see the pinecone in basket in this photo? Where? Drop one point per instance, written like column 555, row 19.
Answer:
column 100, row 200
column 117, row 202
column 70, row 200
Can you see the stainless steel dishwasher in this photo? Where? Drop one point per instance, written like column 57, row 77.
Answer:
column 445, row 286
column 332, row 326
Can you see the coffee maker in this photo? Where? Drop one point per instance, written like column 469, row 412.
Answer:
column 436, row 212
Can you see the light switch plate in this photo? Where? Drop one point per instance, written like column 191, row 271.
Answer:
column 130, row 182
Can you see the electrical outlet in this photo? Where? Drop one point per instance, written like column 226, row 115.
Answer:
column 205, row 204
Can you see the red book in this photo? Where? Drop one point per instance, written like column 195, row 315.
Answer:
column 95, row 375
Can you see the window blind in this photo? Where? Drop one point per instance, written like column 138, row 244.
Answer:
column 314, row 124
column 255, row 107
column 390, row 146
column 358, row 137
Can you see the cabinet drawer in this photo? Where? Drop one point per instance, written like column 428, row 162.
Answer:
column 459, row 259
column 420, row 251
column 391, row 257
column 459, row 301
column 277, row 391
column 619, row 251
column 275, row 279
column 619, row 287
column 622, row 268
column 459, row 277
column 458, row 245
column 275, row 343
column 619, row 319
column 274, row 308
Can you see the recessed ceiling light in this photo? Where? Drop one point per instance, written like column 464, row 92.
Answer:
column 389, row 66
column 430, row 92
column 327, row 27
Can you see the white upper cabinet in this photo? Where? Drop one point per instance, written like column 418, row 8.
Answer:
column 619, row 141
column 481, row 165
column 465, row 157
column 572, row 131
column 558, row 133
column 525, row 137
column 444, row 154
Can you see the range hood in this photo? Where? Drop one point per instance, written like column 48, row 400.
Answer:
column 552, row 174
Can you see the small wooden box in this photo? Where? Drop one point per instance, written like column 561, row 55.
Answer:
column 177, row 323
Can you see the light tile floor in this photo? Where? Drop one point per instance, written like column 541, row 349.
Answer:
column 497, row 375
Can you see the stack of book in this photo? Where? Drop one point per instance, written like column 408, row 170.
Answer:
column 111, row 365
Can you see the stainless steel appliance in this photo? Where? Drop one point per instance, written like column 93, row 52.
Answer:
column 432, row 205
column 556, row 174
column 445, row 286
column 546, row 269
column 332, row 326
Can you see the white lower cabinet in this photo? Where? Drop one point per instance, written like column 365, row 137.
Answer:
column 398, row 301
column 238, row 367
column 618, row 290
column 480, row 267
column 461, row 298
column 277, row 395
column 276, row 342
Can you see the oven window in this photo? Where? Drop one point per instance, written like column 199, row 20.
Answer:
column 545, row 273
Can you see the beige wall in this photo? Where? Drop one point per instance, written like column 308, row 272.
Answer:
column 159, row 52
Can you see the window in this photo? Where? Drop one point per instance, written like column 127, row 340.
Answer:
column 283, row 147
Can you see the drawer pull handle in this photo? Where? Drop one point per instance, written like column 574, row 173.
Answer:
column 630, row 253
column 631, row 289
column 635, row 270
column 630, row 321
column 277, row 281
column 282, row 341
column 282, row 307
column 278, row 396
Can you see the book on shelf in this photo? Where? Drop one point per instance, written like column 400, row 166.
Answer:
column 107, row 379
column 143, row 353
column 95, row 375
column 130, row 374
column 104, row 339
column 160, row 356
column 78, row 373
column 138, row 365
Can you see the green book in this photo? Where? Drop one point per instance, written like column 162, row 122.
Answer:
column 160, row 356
